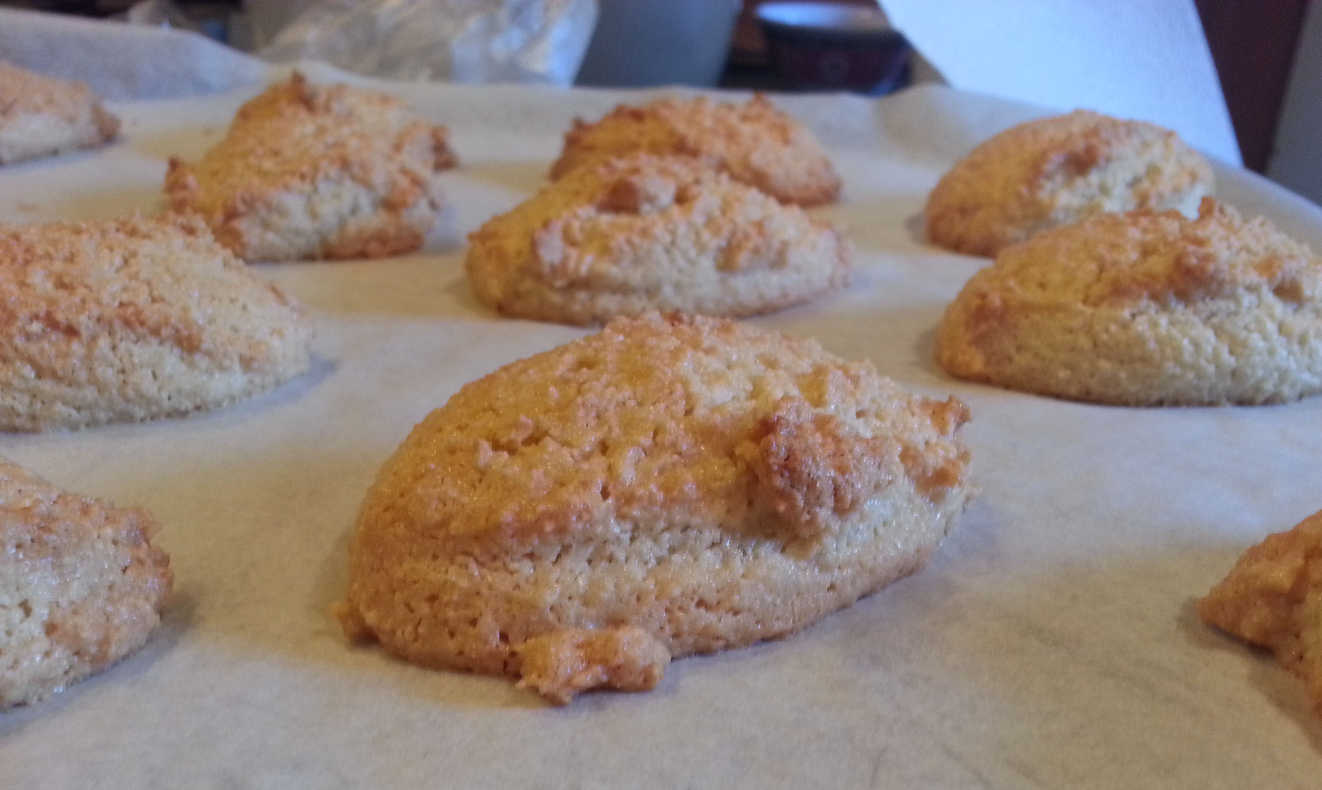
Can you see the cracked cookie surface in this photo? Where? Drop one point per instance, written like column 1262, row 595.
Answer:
column 665, row 487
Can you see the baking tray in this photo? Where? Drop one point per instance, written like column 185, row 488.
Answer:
column 1051, row 641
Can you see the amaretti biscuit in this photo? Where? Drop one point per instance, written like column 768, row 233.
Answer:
column 318, row 171
column 667, row 486
column 40, row 116
column 81, row 585
column 643, row 232
column 1273, row 598
column 754, row 142
column 1145, row 308
column 1056, row 171
column 133, row 319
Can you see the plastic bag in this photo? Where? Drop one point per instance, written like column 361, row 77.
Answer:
column 456, row 40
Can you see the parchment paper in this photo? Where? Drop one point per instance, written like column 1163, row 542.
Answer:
column 1050, row 643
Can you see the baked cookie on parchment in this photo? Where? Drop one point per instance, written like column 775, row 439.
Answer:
column 754, row 142
column 643, row 232
column 1273, row 598
column 668, row 486
column 133, row 319
column 1145, row 308
column 81, row 585
column 41, row 116
column 318, row 171
column 1056, row 171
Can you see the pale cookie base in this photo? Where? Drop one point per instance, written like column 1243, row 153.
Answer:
column 562, row 663
column 1247, row 350
column 335, row 217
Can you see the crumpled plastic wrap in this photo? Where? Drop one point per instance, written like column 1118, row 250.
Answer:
column 455, row 40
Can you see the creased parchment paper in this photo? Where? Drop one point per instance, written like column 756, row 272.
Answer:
column 1050, row 643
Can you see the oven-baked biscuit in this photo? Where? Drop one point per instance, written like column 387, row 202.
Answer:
column 643, row 232
column 40, row 116
column 318, row 171
column 1056, row 171
column 667, row 486
column 132, row 319
column 81, row 586
column 1145, row 308
column 1273, row 598
column 754, row 142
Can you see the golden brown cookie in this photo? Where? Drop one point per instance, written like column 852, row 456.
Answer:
column 754, row 142
column 81, row 586
column 665, row 487
column 1145, row 308
column 1273, row 598
column 1056, row 171
column 40, row 116
column 133, row 319
column 318, row 171
column 639, row 233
